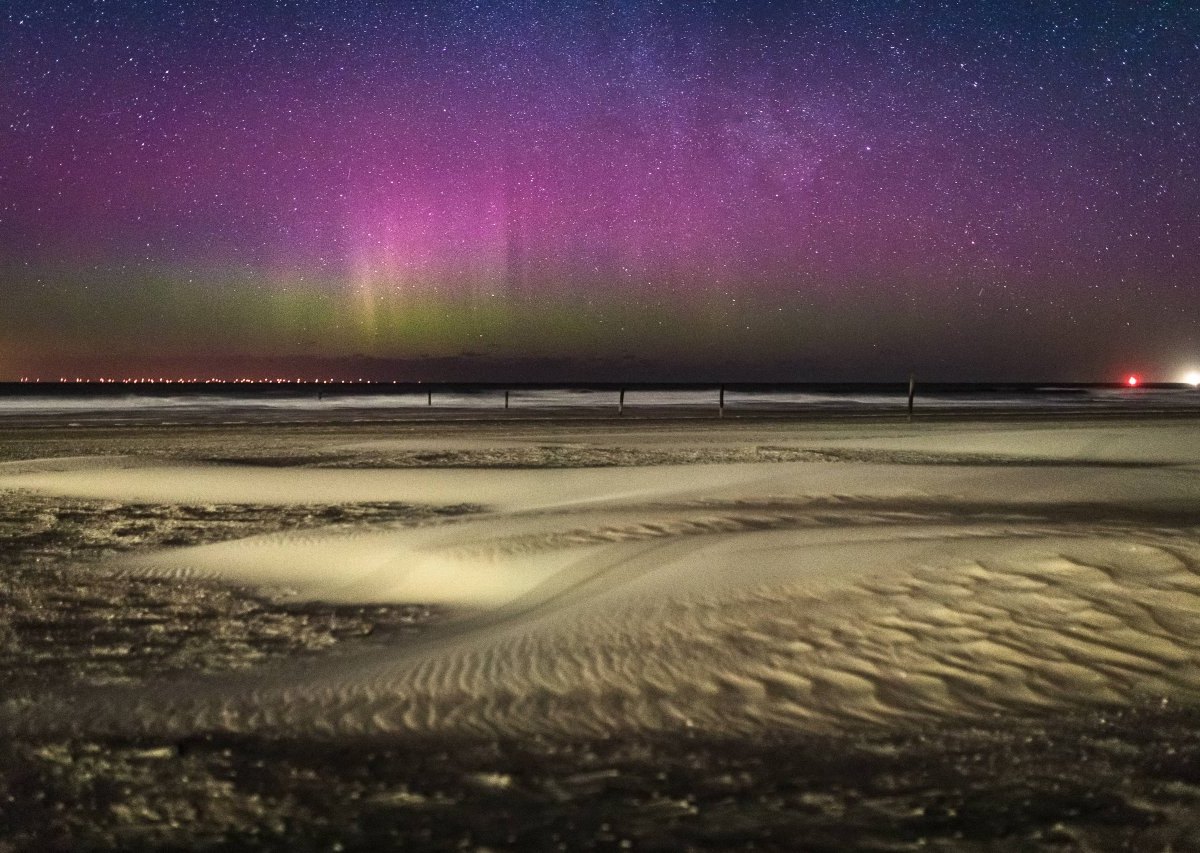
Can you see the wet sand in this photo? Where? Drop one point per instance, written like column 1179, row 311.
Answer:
column 873, row 635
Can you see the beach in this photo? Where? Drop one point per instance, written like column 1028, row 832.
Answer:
column 595, row 632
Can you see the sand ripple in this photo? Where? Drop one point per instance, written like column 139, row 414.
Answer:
column 732, row 606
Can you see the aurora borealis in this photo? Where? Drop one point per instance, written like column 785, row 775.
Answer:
column 599, row 190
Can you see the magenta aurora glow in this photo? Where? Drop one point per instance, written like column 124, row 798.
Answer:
column 600, row 190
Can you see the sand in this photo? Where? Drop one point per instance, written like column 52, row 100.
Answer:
column 672, row 634
column 1055, row 571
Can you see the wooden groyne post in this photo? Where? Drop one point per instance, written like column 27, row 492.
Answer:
column 912, row 393
column 721, row 403
column 506, row 399
column 428, row 398
column 621, row 404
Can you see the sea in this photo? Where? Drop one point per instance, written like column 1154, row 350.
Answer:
column 227, row 402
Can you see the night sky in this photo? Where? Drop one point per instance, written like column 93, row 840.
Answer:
column 616, row 190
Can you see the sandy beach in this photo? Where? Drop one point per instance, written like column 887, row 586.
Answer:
column 878, row 635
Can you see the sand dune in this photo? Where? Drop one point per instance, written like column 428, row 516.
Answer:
column 556, row 489
column 729, row 598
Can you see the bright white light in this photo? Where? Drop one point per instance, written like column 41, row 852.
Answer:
column 1193, row 378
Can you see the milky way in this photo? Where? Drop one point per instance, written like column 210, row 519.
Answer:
column 776, row 190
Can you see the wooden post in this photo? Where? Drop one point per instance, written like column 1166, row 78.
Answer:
column 721, row 403
column 506, row 399
column 429, row 398
column 912, row 392
column 621, row 404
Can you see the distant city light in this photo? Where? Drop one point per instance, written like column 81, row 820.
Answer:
column 1193, row 378
column 182, row 380
column 1133, row 382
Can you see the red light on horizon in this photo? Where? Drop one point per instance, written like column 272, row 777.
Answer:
column 1133, row 381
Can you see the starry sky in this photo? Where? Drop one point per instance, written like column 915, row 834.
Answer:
column 612, row 190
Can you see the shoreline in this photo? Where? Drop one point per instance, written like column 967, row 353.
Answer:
column 662, row 417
